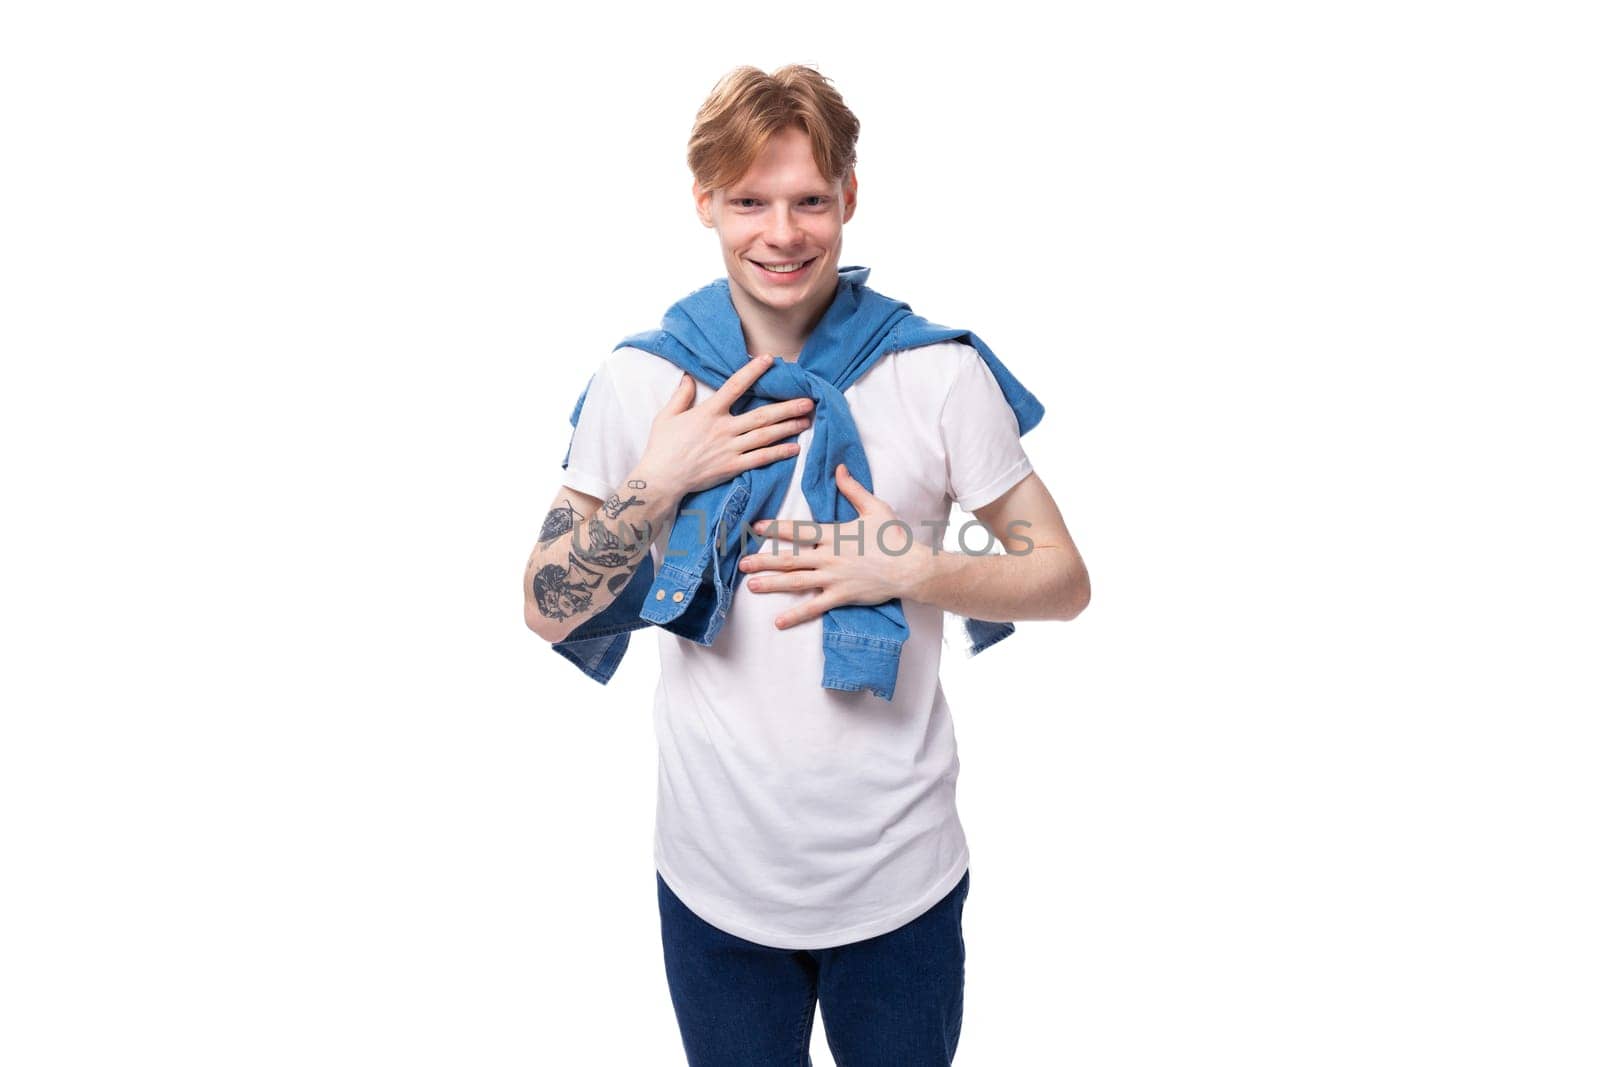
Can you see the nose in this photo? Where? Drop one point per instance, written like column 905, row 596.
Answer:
column 784, row 233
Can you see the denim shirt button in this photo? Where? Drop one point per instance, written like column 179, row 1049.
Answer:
column 661, row 594
column 676, row 596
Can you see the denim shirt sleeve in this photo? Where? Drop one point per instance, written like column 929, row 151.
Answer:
column 688, row 595
column 692, row 592
column 982, row 634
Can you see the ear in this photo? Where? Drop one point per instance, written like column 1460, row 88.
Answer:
column 702, row 204
column 850, row 194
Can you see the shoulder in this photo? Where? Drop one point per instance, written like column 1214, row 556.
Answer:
column 633, row 372
column 629, row 362
column 947, row 356
column 929, row 370
column 938, row 370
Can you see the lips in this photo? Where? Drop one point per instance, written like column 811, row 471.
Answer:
column 779, row 276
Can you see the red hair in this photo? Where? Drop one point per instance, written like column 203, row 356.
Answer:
column 748, row 107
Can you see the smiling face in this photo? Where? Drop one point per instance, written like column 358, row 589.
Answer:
column 782, row 213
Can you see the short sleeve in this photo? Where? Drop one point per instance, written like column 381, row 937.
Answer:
column 982, row 442
column 599, row 454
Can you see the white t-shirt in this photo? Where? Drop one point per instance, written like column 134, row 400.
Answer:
column 788, row 814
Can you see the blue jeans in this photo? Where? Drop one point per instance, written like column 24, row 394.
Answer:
column 892, row 1000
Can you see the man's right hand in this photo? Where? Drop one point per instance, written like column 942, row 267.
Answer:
column 692, row 447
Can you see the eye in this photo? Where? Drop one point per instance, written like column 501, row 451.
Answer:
column 739, row 201
column 821, row 200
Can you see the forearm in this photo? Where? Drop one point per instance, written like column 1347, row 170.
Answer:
column 1045, row 582
column 582, row 562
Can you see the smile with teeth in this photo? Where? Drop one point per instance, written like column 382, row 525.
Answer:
column 782, row 268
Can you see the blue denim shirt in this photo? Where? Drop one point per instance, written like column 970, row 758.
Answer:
column 690, row 593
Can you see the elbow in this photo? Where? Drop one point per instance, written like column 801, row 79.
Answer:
column 1076, row 597
column 550, row 629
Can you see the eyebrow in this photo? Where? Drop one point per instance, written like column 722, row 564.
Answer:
column 739, row 192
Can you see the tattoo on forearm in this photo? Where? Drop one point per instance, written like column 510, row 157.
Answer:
column 606, row 548
column 560, row 520
column 562, row 592
column 615, row 505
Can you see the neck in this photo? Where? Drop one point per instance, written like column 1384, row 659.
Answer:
column 779, row 333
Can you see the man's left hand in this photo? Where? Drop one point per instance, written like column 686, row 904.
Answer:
column 859, row 561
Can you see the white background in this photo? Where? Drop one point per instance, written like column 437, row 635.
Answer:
column 296, row 301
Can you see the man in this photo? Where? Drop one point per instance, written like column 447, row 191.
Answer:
column 807, row 843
